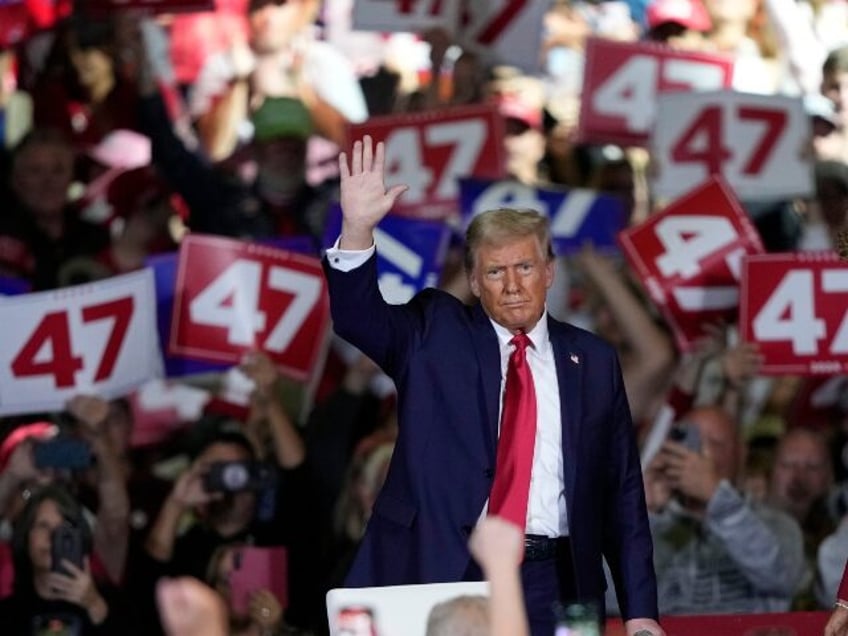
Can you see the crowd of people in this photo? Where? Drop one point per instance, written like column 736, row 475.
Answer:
column 123, row 133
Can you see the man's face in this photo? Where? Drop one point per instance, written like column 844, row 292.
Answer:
column 835, row 88
column 801, row 475
column 274, row 24
column 511, row 281
column 41, row 176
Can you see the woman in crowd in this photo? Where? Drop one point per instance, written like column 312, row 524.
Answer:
column 48, row 595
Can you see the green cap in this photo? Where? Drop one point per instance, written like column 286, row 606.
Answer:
column 281, row 117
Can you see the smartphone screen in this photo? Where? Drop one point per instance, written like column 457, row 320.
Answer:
column 257, row 569
column 66, row 544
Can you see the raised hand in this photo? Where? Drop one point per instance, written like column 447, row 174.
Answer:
column 497, row 544
column 187, row 607
column 364, row 198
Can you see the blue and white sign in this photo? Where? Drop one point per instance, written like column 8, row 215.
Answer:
column 410, row 253
column 577, row 216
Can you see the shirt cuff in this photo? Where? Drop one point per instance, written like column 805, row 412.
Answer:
column 347, row 260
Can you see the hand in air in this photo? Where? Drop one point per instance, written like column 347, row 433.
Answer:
column 364, row 198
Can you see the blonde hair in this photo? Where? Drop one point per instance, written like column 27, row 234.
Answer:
column 503, row 225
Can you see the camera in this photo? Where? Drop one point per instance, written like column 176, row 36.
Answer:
column 62, row 452
column 66, row 543
column 238, row 476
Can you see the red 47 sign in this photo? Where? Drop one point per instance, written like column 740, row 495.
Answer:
column 98, row 338
column 689, row 257
column 755, row 142
column 622, row 81
column 796, row 307
column 429, row 151
column 233, row 296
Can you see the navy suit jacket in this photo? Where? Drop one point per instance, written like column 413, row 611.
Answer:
column 445, row 360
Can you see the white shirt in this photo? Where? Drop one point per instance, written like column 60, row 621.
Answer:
column 546, row 510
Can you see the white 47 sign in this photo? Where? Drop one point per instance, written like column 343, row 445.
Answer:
column 98, row 338
column 233, row 297
column 794, row 306
column 755, row 142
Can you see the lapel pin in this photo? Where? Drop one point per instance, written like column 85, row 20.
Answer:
column 575, row 359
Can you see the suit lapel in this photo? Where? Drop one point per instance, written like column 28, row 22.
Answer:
column 569, row 362
column 489, row 356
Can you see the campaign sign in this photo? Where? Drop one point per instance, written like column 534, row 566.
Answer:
column 404, row 15
column 577, row 216
column 164, row 268
column 96, row 338
column 11, row 286
column 233, row 297
column 410, row 253
column 795, row 306
column 755, row 142
column 689, row 257
column 622, row 81
column 429, row 151
column 508, row 30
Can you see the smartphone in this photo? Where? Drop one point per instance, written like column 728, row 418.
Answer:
column 257, row 569
column 686, row 433
column 56, row 625
column 238, row 476
column 62, row 452
column 66, row 543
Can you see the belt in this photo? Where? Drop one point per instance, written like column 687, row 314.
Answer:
column 541, row 548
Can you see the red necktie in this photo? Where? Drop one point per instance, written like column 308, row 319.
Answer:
column 511, row 486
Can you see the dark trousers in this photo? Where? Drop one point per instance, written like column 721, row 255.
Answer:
column 548, row 585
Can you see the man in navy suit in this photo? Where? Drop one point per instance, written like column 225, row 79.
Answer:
column 448, row 360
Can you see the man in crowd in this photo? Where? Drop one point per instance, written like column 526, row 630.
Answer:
column 560, row 464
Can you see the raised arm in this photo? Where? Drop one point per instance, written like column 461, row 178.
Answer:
column 364, row 198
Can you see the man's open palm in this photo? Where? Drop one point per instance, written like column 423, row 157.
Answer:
column 364, row 198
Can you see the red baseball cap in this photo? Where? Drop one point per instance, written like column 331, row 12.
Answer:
column 36, row 430
column 688, row 13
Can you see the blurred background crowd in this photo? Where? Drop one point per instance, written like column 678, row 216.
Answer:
column 121, row 132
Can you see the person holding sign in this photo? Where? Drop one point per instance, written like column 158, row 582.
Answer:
column 551, row 449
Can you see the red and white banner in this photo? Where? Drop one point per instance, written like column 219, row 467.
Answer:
column 232, row 297
column 508, row 30
column 795, row 305
column 623, row 80
column 98, row 338
column 109, row 7
column 429, row 151
column 756, row 142
column 689, row 257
